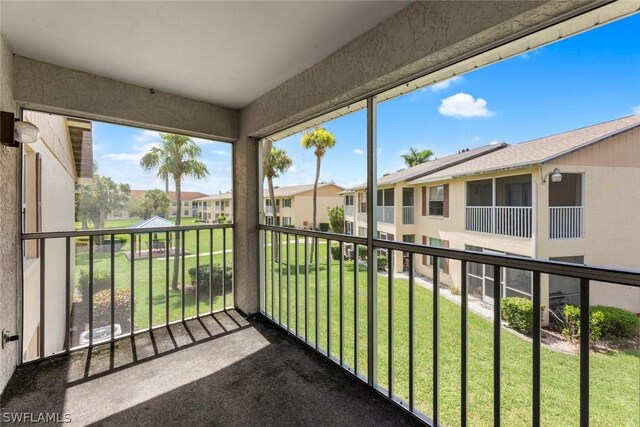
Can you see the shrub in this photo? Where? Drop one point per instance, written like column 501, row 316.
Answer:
column 606, row 323
column 102, row 308
column 518, row 312
column 324, row 226
column 216, row 279
column 382, row 263
column 362, row 252
column 101, row 281
column 335, row 252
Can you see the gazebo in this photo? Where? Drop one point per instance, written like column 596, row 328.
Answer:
column 156, row 244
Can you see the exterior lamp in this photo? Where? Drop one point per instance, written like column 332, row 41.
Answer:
column 556, row 176
column 16, row 132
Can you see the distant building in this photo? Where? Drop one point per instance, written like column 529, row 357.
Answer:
column 186, row 208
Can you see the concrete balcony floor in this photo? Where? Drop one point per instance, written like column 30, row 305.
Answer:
column 217, row 370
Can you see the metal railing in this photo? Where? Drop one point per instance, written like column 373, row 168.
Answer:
column 112, row 291
column 566, row 222
column 386, row 214
column 408, row 214
column 514, row 221
column 348, row 210
column 300, row 292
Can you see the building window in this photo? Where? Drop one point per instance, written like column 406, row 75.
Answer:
column 174, row 203
column 409, row 238
column 348, row 227
column 286, row 203
column 226, row 204
column 362, row 202
column 286, row 220
column 186, row 203
column 348, row 200
column 436, row 200
column 437, row 243
column 217, row 202
column 269, row 220
column 173, row 213
column 186, row 212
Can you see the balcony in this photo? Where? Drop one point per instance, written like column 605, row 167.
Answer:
column 513, row 221
column 348, row 210
column 269, row 210
column 566, row 222
column 408, row 215
column 386, row 214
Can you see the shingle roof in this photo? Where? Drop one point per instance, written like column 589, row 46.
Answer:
column 432, row 166
column 536, row 151
column 218, row 196
column 292, row 190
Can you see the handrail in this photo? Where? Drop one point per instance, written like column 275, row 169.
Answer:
column 108, row 231
column 604, row 274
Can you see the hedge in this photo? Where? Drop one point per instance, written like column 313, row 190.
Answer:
column 216, row 279
column 518, row 313
column 605, row 323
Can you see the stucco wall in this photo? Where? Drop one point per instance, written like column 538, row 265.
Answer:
column 8, row 222
column 49, row 87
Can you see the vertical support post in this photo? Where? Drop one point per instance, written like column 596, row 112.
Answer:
column 390, row 292
column 464, row 344
column 356, row 311
column 43, row 297
column 584, row 352
column 536, row 348
column 436, row 340
column 150, row 303
column 91, row 242
column 211, row 270
column 67, row 301
column 224, row 268
column 113, row 287
column 316, row 243
column 412, row 319
column 167, row 247
column 184, row 236
column 372, row 262
column 497, row 287
column 132, row 254
column 341, row 302
column 329, row 298
column 198, row 273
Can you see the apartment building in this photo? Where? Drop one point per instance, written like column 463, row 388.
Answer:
column 187, row 207
column 52, row 166
column 560, row 197
column 294, row 204
column 214, row 208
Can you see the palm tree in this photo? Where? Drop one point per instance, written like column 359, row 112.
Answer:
column 176, row 157
column 321, row 140
column 276, row 161
column 415, row 157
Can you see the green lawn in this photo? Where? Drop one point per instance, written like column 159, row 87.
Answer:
column 615, row 376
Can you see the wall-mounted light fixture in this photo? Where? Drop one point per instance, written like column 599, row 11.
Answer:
column 556, row 176
column 15, row 132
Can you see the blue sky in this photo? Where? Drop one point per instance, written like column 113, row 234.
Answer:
column 583, row 80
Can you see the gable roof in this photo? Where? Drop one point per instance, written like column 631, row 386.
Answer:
column 435, row 165
column 154, row 222
column 218, row 196
column 537, row 151
column 292, row 190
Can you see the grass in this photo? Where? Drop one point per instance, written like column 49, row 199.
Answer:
column 614, row 376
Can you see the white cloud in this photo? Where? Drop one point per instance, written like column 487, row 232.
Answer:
column 445, row 84
column 147, row 135
column 124, row 156
column 636, row 110
column 358, row 151
column 464, row 105
column 220, row 153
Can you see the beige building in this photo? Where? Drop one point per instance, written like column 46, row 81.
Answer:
column 188, row 208
column 294, row 204
column 214, row 208
column 565, row 197
column 52, row 166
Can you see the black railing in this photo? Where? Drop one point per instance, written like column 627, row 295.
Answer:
column 105, row 288
column 277, row 261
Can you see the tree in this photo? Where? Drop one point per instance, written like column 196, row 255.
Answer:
column 156, row 202
column 98, row 199
column 415, row 157
column 276, row 161
column 336, row 219
column 177, row 157
column 321, row 140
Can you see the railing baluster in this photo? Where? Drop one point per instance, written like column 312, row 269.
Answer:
column 412, row 318
column 288, row 283
column 273, row 276
column 279, row 252
column 390, row 292
column 91, row 241
column 584, row 352
column 496, row 345
column 150, row 237
column 306, row 290
column 132, row 254
column 328, row 298
column 316, row 244
column 265, row 248
column 356, row 301
column 197, row 273
column 43, row 298
column 67, row 302
column 211, row 271
column 436, row 340
column 536, row 348
column 464, row 343
column 224, row 268
column 341, row 248
column 296, row 280
column 182, row 254
column 113, row 287
column 167, row 249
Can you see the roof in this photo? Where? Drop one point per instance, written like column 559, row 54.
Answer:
column 435, row 165
column 219, row 196
column 292, row 190
column 154, row 222
column 537, row 151
column 186, row 195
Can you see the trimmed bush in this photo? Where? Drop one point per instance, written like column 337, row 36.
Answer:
column 617, row 324
column 102, row 308
column 518, row 313
column 362, row 252
column 216, row 279
column 324, row 226
column 382, row 263
column 335, row 252
column 101, row 281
